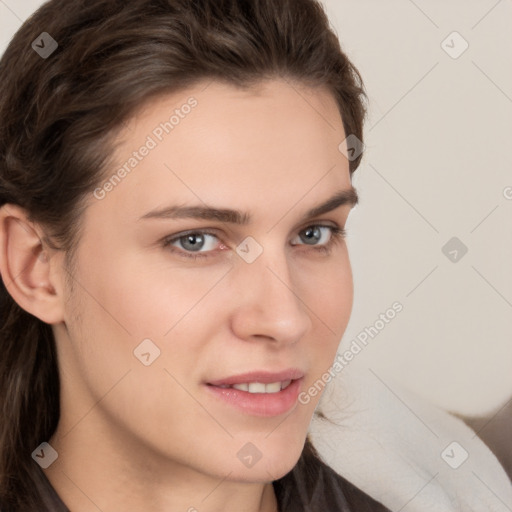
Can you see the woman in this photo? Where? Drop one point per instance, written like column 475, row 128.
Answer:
column 175, row 183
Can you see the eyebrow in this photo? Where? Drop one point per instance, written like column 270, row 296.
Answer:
column 341, row 198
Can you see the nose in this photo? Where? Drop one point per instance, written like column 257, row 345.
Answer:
column 267, row 302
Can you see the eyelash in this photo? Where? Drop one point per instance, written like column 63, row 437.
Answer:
column 337, row 235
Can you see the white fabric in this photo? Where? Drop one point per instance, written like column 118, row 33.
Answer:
column 388, row 442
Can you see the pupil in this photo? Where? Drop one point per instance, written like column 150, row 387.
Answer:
column 193, row 241
column 312, row 235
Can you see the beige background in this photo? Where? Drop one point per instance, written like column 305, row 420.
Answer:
column 437, row 164
column 438, row 160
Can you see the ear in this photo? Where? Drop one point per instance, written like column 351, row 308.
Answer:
column 25, row 265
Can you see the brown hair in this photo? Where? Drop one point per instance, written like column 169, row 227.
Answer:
column 58, row 117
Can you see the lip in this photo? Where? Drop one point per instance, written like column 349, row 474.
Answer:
column 259, row 404
column 265, row 377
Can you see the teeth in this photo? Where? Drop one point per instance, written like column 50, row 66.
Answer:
column 273, row 387
column 241, row 387
column 285, row 383
column 259, row 387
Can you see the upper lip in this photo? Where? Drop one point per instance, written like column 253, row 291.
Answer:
column 263, row 376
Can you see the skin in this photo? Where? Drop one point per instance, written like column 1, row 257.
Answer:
column 134, row 437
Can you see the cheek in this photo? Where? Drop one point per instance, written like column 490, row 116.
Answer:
column 124, row 302
column 117, row 312
column 329, row 294
column 149, row 298
column 330, row 297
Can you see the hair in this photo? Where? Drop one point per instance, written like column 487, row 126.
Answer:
column 58, row 120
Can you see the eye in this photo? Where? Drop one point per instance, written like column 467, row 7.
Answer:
column 196, row 242
column 317, row 235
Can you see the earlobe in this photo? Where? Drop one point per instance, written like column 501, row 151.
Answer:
column 25, row 265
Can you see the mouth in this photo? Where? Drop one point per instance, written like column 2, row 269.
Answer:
column 259, row 393
column 259, row 387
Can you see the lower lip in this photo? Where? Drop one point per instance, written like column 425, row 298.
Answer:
column 260, row 404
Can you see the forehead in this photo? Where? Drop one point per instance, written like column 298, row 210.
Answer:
column 217, row 143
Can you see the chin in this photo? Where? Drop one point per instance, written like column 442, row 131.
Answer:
column 273, row 470
column 277, row 458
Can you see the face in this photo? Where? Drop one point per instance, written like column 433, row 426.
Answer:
column 177, row 298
